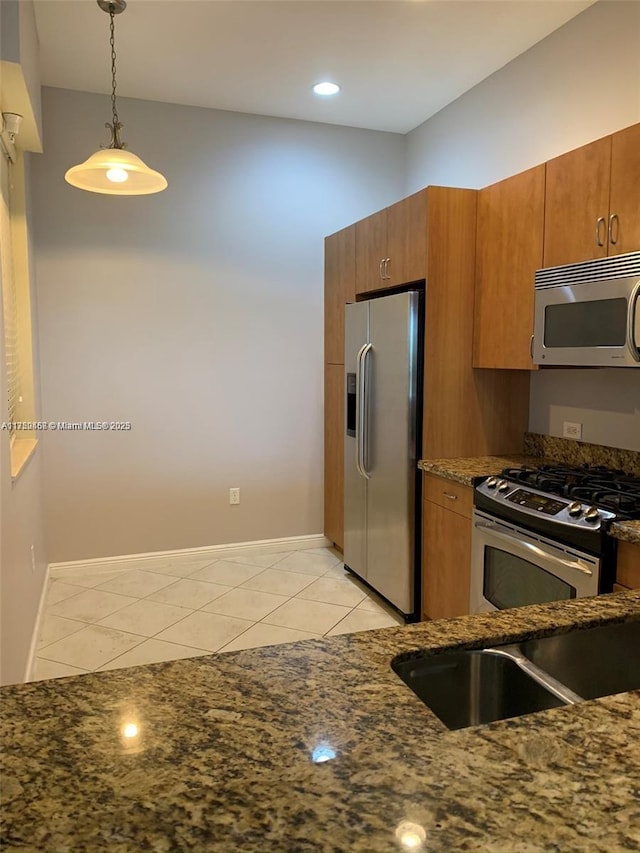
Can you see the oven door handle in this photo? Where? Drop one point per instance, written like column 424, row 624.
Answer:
column 529, row 546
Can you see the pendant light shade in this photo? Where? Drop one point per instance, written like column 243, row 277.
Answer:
column 114, row 170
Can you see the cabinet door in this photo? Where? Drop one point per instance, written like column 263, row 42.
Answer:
column 371, row 249
column 446, row 562
column 339, row 288
column 624, row 203
column 510, row 235
column 628, row 568
column 577, row 195
column 407, row 239
column 334, row 453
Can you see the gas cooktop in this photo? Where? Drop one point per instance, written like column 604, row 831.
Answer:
column 597, row 486
column 575, row 504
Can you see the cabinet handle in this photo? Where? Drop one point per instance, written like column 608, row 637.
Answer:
column 600, row 221
column 531, row 347
column 380, row 268
column 451, row 497
column 387, row 261
column 613, row 218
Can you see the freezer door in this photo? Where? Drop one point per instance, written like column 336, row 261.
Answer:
column 391, row 453
column 355, row 484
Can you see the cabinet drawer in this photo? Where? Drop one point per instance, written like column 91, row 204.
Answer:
column 449, row 494
column 628, row 566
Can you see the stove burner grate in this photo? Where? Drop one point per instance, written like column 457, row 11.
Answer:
column 608, row 488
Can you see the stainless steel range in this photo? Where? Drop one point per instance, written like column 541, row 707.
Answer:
column 540, row 534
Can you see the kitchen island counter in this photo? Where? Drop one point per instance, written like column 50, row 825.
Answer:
column 318, row 746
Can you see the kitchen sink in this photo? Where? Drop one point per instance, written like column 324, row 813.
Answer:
column 478, row 686
column 474, row 687
column 592, row 662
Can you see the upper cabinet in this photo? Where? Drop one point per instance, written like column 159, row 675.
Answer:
column 391, row 245
column 592, row 200
column 509, row 242
column 624, row 201
column 339, row 288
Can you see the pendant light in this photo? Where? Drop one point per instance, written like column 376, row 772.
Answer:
column 114, row 170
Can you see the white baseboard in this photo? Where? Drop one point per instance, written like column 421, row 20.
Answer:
column 33, row 648
column 106, row 564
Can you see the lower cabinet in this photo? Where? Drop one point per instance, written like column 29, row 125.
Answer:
column 334, row 453
column 446, row 548
column 628, row 567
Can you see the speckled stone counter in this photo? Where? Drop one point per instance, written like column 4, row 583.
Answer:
column 629, row 531
column 318, row 746
column 468, row 470
column 581, row 452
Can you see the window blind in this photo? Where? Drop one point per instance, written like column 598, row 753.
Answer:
column 9, row 301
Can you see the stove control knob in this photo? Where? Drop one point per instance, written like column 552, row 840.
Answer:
column 492, row 482
column 503, row 486
column 592, row 514
column 575, row 509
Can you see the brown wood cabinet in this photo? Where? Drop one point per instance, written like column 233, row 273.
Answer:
column 592, row 200
column 624, row 203
column 407, row 239
column 628, row 565
column 509, row 246
column 391, row 245
column 446, row 549
column 339, row 288
column 334, row 453
column 467, row 412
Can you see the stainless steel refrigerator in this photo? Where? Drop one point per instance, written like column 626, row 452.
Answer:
column 383, row 415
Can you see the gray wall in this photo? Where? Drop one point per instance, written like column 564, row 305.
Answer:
column 580, row 83
column 196, row 314
column 21, row 511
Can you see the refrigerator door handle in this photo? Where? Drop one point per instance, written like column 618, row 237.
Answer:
column 358, row 407
column 362, row 430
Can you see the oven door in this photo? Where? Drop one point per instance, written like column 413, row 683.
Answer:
column 512, row 567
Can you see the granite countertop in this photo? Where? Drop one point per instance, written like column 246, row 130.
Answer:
column 468, row 470
column 318, row 746
column 628, row 531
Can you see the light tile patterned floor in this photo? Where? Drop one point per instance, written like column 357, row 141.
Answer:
column 169, row 608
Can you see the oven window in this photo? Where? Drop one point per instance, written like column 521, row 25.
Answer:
column 598, row 323
column 510, row 581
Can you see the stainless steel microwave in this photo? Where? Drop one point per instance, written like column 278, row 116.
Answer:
column 588, row 314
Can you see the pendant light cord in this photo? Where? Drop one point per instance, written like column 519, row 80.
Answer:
column 112, row 42
column 116, row 126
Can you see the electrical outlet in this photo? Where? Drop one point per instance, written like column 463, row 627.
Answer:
column 571, row 430
column 234, row 497
column 33, row 558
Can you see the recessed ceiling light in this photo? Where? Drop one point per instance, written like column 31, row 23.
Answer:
column 326, row 88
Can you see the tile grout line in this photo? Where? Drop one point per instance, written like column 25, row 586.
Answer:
column 175, row 579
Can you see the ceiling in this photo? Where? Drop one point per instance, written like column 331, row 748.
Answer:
column 398, row 62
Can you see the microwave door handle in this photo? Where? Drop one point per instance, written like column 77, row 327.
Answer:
column 363, row 435
column 529, row 546
column 633, row 322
